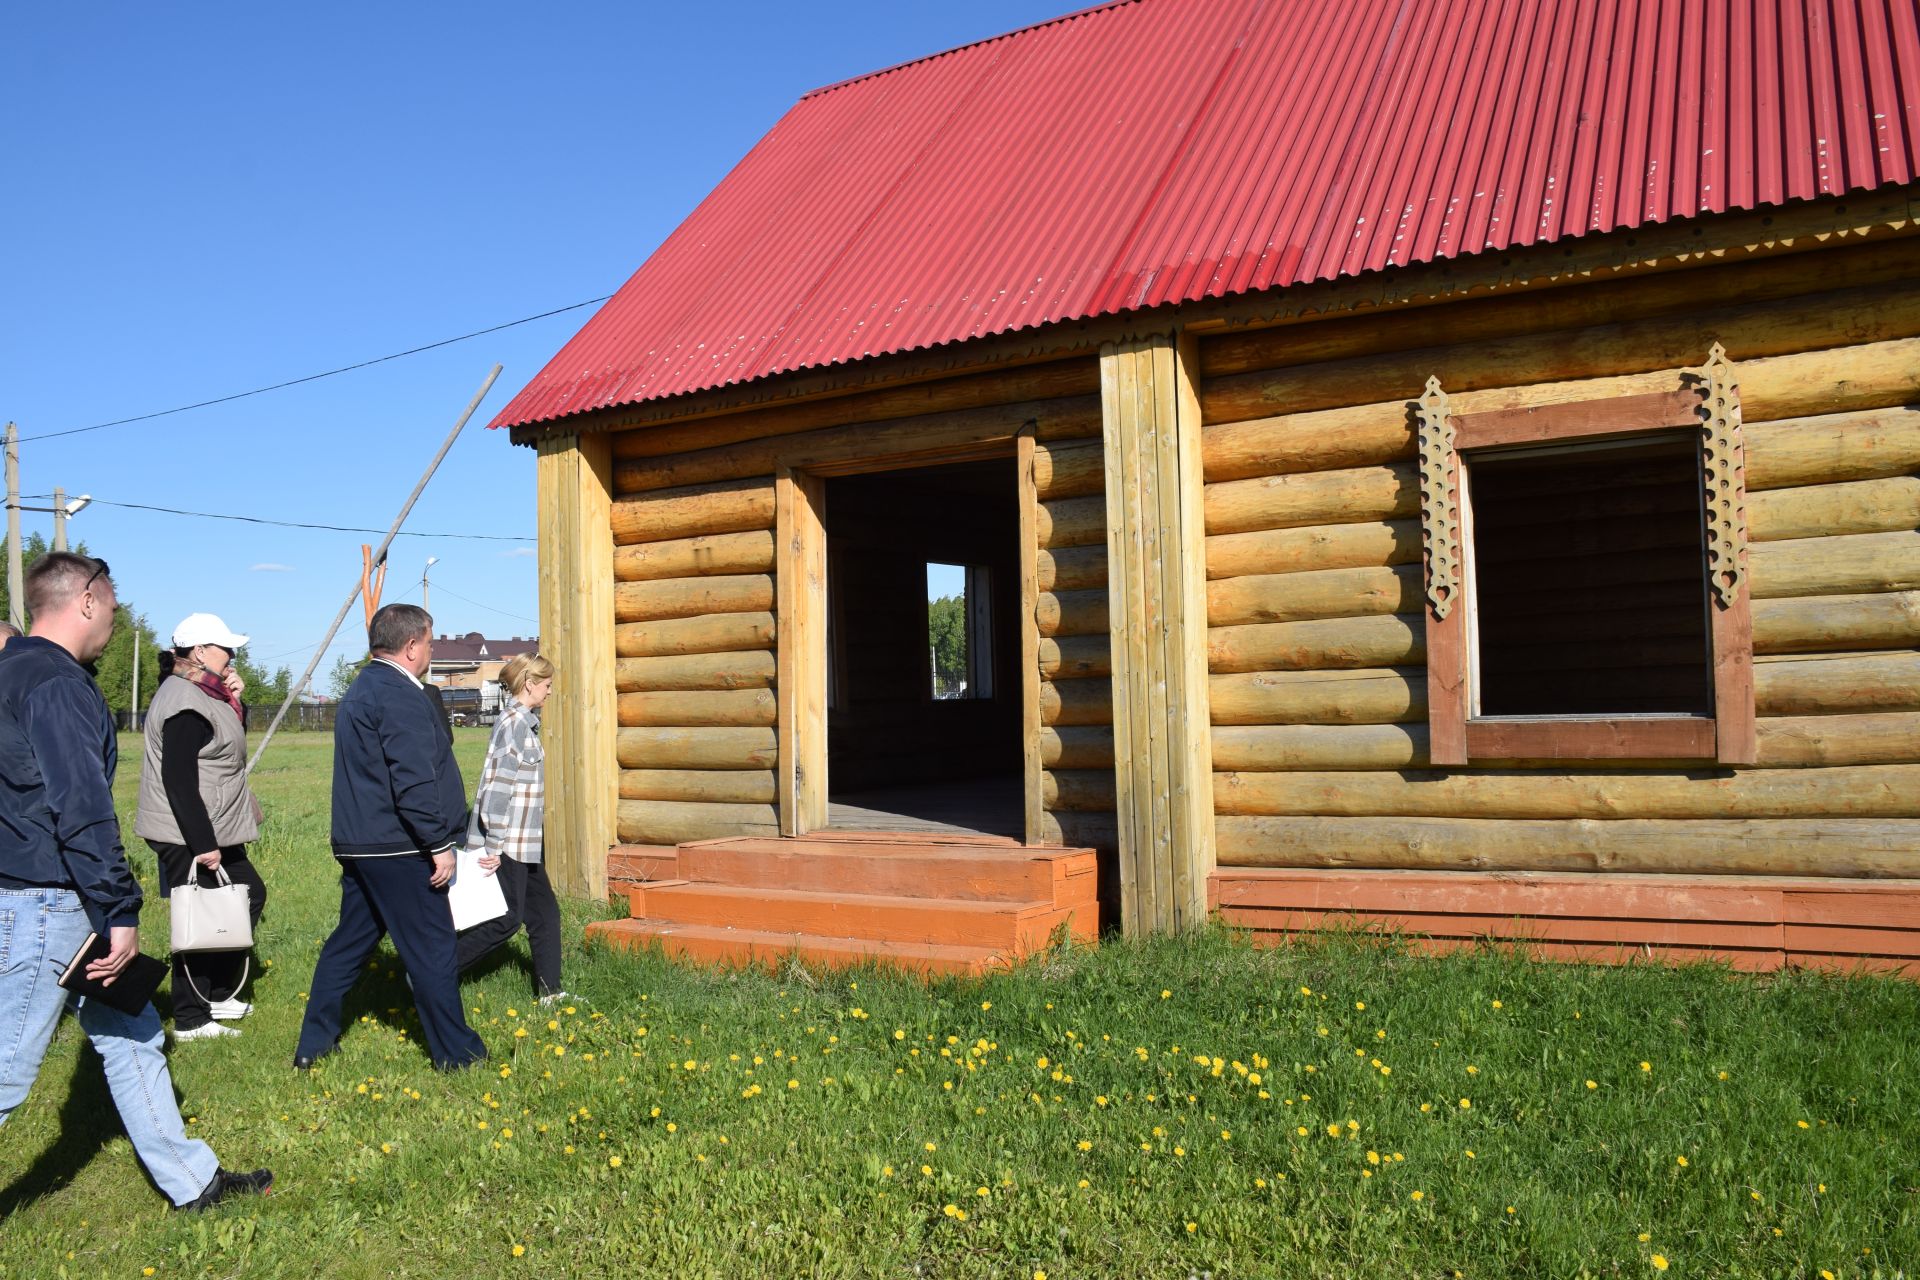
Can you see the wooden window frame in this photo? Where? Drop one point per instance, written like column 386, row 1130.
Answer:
column 1708, row 406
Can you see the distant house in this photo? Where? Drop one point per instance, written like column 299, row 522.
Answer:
column 470, row 664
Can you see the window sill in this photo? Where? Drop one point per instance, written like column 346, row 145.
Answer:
column 1654, row 737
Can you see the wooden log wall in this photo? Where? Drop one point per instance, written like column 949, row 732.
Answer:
column 1317, row 643
column 695, row 580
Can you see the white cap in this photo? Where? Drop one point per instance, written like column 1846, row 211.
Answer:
column 205, row 628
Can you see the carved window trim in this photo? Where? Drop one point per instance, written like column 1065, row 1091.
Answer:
column 1707, row 403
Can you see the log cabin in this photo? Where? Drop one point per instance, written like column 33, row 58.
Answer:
column 1448, row 466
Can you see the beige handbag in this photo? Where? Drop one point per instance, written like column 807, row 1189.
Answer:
column 216, row 919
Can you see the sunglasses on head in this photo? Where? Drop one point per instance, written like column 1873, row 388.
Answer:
column 101, row 572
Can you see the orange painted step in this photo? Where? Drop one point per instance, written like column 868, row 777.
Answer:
column 712, row 944
column 1018, row 926
column 984, row 873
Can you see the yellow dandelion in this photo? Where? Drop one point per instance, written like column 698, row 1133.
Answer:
column 1426, row 1106
column 1593, row 1084
column 1659, row 1261
column 1498, row 1005
column 1084, row 1184
column 1084, row 1145
column 1681, row 1161
column 898, row 1034
column 519, row 1251
column 986, row 1004
column 1466, row 1104
column 1419, row 1195
column 886, row 1171
column 926, row 1171
column 1646, row 1066
column 1803, row 1124
column 613, row 1162
column 1192, row 1227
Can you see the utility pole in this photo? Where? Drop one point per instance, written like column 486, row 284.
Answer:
column 16, row 608
column 133, row 708
column 426, row 591
column 59, row 519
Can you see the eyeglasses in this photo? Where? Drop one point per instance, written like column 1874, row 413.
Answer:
column 101, row 572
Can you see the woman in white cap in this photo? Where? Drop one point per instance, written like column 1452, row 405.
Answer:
column 196, row 810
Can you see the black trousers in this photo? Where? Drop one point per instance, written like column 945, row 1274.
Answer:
column 530, row 901
column 216, row 973
column 394, row 897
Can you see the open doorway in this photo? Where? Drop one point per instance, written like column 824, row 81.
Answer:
column 923, row 650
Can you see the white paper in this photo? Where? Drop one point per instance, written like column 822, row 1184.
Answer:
column 474, row 895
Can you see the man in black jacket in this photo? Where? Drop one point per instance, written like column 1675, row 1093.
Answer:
column 64, row 875
column 399, row 810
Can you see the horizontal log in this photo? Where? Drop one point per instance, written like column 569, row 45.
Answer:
column 1076, row 657
column 748, row 669
column 1080, row 830
column 1823, row 510
column 1327, row 440
column 1825, row 448
column 1314, row 548
column 710, row 786
column 1320, row 593
column 1873, row 314
column 1814, row 624
column 1821, row 685
column 674, row 821
column 1591, row 303
column 1329, row 644
column 1078, row 790
column 1060, row 379
column 1076, row 702
column 750, row 552
column 1071, row 613
column 677, row 748
column 1371, row 696
column 1312, row 498
column 1071, row 469
column 728, row 708
column 1077, row 747
column 1857, row 562
column 1071, row 522
column 898, row 438
column 731, row 507
column 1071, row 568
column 715, row 633
column 692, row 597
column 1831, row 685
column 1760, row 846
column 1868, row 791
column 1875, row 738
column 1784, row 742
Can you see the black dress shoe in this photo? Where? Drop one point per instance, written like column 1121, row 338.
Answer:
column 228, row 1183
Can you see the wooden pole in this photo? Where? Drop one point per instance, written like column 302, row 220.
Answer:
column 380, row 559
column 59, row 519
column 16, row 607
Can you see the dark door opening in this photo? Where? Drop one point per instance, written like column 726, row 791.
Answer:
column 923, row 650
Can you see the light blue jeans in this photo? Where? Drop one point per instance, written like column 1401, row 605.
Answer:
column 40, row 930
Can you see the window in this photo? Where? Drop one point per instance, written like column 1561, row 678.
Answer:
column 1586, row 593
column 959, row 631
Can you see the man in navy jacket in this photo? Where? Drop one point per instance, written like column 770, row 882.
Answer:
column 399, row 811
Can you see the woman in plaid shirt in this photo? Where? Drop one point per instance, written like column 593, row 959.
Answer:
column 508, row 813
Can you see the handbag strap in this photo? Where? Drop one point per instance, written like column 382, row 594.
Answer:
column 246, row 969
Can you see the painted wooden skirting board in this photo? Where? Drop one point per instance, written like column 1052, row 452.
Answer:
column 1753, row 923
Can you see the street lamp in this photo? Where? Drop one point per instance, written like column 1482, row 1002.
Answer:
column 426, row 598
column 61, row 509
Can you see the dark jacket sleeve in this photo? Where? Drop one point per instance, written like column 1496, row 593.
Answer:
column 58, row 715
column 413, row 748
column 184, row 736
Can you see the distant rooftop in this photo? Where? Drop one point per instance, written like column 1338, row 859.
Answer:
column 474, row 647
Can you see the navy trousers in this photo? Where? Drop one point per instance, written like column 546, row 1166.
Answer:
column 380, row 896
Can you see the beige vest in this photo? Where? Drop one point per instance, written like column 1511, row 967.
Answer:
column 223, row 771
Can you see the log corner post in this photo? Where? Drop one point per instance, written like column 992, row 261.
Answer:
column 1156, row 556
column 800, row 648
column 574, row 484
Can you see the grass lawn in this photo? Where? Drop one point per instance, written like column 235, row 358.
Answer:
column 1168, row 1109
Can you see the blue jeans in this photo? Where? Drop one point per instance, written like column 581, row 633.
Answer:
column 40, row 930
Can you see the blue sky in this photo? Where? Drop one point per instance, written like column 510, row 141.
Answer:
column 207, row 198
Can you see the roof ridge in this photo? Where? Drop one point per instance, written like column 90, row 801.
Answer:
column 1004, row 35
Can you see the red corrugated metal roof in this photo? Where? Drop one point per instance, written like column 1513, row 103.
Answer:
column 1162, row 151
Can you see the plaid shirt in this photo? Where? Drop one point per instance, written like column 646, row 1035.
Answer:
column 510, row 807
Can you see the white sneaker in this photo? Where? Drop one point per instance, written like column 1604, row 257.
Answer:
column 231, row 1010
column 210, row 1031
column 555, row 997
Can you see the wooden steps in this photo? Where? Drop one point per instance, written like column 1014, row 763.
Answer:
column 925, row 903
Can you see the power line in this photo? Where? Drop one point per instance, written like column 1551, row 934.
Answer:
column 297, row 524
column 491, row 609
column 314, row 377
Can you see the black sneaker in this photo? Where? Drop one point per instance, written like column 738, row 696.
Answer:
column 228, row 1183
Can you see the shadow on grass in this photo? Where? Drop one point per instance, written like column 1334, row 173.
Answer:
column 88, row 1121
